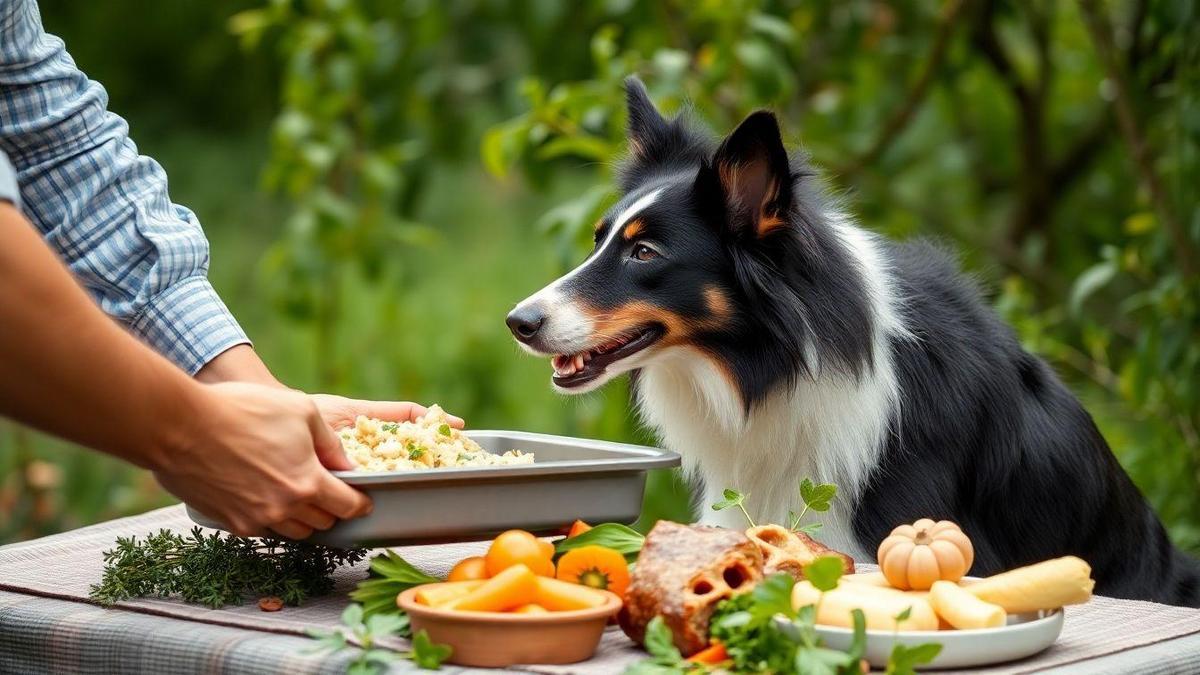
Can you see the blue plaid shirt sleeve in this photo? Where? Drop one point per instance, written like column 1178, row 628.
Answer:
column 103, row 207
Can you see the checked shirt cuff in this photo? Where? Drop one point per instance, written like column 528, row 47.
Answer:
column 189, row 324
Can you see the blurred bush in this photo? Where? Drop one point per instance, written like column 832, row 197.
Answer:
column 1053, row 143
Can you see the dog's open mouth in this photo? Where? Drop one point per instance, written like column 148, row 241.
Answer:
column 573, row 370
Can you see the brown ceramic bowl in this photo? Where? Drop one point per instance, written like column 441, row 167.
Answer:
column 496, row 639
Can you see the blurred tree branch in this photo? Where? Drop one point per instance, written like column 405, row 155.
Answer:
column 1135, row 138
column 896, row 123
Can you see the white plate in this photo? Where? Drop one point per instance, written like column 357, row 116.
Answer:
column 1025, row 635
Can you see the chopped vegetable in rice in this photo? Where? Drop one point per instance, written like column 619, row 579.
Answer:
column 429, row 442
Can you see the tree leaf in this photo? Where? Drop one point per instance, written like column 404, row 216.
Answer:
column 1093, row 279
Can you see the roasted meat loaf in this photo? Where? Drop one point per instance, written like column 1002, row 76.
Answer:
column 681, row 574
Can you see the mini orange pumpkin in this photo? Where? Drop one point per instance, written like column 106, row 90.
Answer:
column 914, row 556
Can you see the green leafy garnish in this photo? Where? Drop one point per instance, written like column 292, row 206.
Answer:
column 428, row 654
column 390, row 574
column 824, row 572
column 816, row 497
column 217, row 570
column 616, row 536
column 731, row 499
column 810, row 529
column 904, row 615
column 367, row 631
column 904, row 660
column 665, row 658
column 416, row 453
column 444, row 430
column 389, row 426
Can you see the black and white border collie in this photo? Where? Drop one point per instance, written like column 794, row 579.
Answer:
column 771, row 338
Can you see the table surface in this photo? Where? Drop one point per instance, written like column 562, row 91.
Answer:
column 47, row 626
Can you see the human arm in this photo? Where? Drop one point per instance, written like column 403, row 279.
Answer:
column 247, row 455
column 102, row 206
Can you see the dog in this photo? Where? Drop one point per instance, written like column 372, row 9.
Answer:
column 770, row 338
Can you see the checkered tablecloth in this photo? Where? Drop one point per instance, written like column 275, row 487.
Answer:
column 47, row 624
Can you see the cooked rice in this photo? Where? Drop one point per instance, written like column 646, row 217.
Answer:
column 429, row 442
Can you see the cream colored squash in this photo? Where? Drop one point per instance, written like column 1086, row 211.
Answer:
column 914, row 556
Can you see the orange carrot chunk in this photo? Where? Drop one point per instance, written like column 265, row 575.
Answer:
column 714, row 653
column 531, row 608
column 562, row 596
column 513, row 587
column 577, row 528
column 436, row 595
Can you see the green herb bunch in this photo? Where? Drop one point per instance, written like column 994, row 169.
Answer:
column 367, row 631
column 217, row 570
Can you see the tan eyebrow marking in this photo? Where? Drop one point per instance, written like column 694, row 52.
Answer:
column 633, row 229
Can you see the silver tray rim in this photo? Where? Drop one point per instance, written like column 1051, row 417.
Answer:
column 638, row 458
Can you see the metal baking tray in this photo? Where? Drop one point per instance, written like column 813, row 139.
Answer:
column 595, row 481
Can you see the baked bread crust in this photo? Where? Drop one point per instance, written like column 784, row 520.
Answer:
column 786, row 551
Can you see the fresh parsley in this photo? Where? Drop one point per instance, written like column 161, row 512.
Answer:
column 904, row 660
column 217, row 570
column 389, row 426
column 444, row 430
column 367, row 631
column 665, row 658
column 731, row 499
column 816, row 497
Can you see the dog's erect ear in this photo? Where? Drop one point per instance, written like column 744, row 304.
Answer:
column 752, row 169
column 648, row 130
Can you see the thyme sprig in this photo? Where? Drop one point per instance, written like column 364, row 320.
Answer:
column 217, row 570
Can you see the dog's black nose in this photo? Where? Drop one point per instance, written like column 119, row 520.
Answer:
column 524, row 322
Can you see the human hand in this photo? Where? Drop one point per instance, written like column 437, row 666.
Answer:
column 255, row 459
column 340, row 412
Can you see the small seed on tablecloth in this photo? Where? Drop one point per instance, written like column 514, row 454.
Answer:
column 270, row 604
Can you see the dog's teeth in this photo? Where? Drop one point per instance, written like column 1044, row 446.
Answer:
column 579, row 362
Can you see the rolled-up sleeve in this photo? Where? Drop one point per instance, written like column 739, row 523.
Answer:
column 8, row 182
column 102, row 206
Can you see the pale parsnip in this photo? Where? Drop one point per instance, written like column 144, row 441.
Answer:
column 880, row 606
column 1045, row 585
column 963, row 610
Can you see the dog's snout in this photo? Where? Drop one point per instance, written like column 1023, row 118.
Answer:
column 524, row 322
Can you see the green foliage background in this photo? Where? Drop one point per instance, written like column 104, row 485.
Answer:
column 382, row 180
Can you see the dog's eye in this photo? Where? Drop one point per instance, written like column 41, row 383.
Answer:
column 643, row 252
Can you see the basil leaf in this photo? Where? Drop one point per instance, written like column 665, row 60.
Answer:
column 620, row 538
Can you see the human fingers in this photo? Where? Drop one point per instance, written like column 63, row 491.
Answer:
column 326, row 443
column 292, row 529
column 314, row 517
column 336, row 497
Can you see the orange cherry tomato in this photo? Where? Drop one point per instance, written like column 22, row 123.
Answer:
column 469, row 569
column 519, row 547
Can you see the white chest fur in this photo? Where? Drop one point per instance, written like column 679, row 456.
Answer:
column 830, row 428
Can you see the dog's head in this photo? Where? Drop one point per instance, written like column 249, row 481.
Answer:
column 710, row 248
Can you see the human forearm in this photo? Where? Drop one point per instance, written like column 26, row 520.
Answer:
column 69, row 370
column 237, row 364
